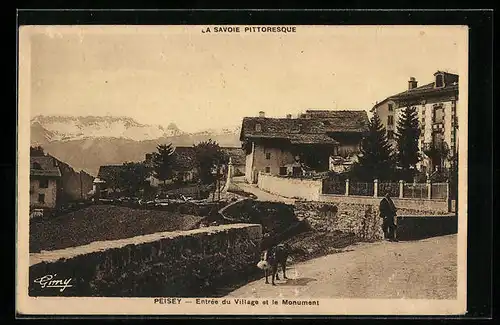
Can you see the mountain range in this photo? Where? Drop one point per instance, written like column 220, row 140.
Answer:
column 88, row 142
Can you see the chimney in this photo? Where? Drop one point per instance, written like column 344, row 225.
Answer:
column 412, row 83
column 288, row 115
column 262, row 114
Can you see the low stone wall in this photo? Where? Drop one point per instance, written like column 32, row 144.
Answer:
column 161, row 264
column 294, row 188
column 363, row 220
column 405, row 206
column 359, row 219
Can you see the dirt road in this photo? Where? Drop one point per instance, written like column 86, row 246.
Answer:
column 419, row 269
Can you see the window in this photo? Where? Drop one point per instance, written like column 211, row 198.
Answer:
column 439, row 81
column 438, row 114
column 390, row 134
column 268, row 155
column 41, row 198
column 268, row 169
column 36, row 165
column 391, row 107
column 390, row 120
column 258, row 127
column 282, row 170
column 44, row 183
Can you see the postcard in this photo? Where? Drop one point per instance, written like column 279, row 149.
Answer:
column 242, row 170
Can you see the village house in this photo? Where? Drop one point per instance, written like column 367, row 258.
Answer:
column 183, row 170
column 74, row 186
column 54, row 183
column 436, row 104
column 312, row 141
column 108, row 180
column 44, row 181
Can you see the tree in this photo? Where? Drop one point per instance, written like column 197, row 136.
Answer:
column 407, row 135
column 210, row 159
column 133, row 176
column 163, row 162
column 36, row 151
column 376, row 160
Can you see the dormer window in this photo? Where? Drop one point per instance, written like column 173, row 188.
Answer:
column 258, row 127
column 36, row 166
column 439, row 81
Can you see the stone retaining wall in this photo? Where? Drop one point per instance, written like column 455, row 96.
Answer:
column 363, row 220
column 161, row 264
column 360, row 219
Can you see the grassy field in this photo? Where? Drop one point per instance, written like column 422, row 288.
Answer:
column 103, row 222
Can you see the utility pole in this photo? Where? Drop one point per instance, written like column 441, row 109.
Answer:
column 81, row 186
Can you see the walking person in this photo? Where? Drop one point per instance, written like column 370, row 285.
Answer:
column 388, row 213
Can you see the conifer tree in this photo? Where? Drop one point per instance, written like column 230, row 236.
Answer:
column 407, row 135
column 376, row 160
column 163, row 162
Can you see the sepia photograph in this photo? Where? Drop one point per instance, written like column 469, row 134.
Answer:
column 242, row 169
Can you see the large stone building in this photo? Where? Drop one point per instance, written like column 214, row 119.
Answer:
column 285, row 146
column 436, row 104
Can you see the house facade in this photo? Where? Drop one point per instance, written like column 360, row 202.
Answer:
column 291, row 146
column 436, row 105
column 45, row 177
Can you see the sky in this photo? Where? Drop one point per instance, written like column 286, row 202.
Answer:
column 164, row 74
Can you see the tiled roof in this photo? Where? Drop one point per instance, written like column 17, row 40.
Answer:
column 44, row 166
column 311, row 127
column 424, row 90
column 427, row 90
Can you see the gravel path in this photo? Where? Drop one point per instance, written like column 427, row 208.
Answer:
column 425, row 269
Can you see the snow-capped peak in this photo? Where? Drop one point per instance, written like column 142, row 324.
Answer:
column 82, row 127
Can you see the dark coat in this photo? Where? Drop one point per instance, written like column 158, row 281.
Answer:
column 387, row 208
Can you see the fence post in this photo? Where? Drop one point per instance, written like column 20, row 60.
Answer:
column 448, row 195
column 347, row 187
column 375, row 188
column 429, row 189
column 401, row 184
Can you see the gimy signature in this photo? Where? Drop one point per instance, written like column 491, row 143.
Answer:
column 49, row 281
